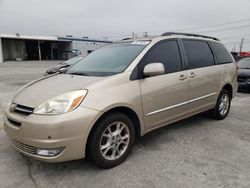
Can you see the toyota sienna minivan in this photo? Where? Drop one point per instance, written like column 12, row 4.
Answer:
column 119, row 92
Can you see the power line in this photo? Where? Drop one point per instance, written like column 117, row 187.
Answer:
column 234, row 36
column 223, row 29
column 215, row 25
column 236, row 42
column 201, row 27
column 247, row 38
column 208, row 26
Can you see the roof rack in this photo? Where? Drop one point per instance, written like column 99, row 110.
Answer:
column 188, row 34
column 126, row 39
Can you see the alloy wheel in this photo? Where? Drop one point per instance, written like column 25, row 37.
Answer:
column 224, row 104
column 114, row 140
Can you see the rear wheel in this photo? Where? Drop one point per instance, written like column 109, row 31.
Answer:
column 223, row 105
column 111, row 141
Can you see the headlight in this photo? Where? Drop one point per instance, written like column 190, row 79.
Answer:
column 61, row 103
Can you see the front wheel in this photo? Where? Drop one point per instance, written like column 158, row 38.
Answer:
column 223, row 105
column 111, row 141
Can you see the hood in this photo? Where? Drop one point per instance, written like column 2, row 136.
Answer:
column 244, row 72
column 45, row 88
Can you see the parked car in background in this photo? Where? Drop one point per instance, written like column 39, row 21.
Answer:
column 62, row 66
column 244, row 74
column 119, row 92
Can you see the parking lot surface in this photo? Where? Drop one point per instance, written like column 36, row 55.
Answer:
column 196, row 152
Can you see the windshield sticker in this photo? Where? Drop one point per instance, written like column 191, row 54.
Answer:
column 141, row 42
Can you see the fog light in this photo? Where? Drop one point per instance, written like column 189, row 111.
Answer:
column 49, row 152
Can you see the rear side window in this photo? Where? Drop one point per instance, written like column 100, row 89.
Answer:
column 221, row 53
column 167, row 53
column 198, row 53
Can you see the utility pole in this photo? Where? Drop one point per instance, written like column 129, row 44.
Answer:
column 234, row 48
column 133, row 35
column 241, row 44
column 1, row 51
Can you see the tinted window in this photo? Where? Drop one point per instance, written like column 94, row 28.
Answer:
column 198, row 54
column 166, row 53
column 221, row 53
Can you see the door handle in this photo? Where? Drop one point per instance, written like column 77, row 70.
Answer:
column 182, row 77
column 192, row 75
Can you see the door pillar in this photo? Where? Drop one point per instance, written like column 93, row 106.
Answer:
column 1, row 51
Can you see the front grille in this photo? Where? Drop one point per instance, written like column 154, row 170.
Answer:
column 23, row 110
column 243, row 78
column 24, row 147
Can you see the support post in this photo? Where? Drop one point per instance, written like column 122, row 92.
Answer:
column 51, row 52
column 1, row 51
column 39, row 51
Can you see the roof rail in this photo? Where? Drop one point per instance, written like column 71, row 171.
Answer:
column 188, row 34
column 126, row 39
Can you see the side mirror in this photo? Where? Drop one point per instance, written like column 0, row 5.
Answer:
column 153, row 69
column 62, row 70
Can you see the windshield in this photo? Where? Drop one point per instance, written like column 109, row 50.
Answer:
column 108, row 60
column 244, row 64
column 73, row 60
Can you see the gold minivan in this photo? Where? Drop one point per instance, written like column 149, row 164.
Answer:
column 119, row 92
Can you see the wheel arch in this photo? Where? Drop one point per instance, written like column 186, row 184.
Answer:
column 229, row 88
column 126, row 110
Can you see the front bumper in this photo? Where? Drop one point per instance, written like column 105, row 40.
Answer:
column 244, row 86
column 68, row 131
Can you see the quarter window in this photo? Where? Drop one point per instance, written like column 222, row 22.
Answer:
column 166, row 53
column 198, row 54
column 221, row 53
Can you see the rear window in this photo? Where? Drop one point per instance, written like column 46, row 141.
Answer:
column 198, row 53
column 221, row 53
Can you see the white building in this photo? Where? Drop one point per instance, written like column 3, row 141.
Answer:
column 29, row 47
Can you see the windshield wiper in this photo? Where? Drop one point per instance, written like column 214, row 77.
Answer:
column 78, row 73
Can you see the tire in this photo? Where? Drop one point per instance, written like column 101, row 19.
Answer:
column 115, row 134
column 223, row 105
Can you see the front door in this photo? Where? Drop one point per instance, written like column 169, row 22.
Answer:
column 164, row 97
